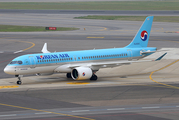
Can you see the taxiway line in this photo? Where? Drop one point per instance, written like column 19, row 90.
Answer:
column 8, row 86
column 102, row 110
column 103, row 29
column 81, row 111
column 150, row 76
column 116, row 109
column 8, row 115
column 46, row 111
column 170, row 86
column 150, row 107
column 33, row 44
column 18, row 51
column 94, row 37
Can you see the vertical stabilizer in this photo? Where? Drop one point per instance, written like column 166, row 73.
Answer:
column 142, row 37
column 44, row 49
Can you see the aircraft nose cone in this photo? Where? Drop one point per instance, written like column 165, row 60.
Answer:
column 9, row 70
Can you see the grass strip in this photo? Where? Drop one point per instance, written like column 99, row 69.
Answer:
column 131, row 18
column 13, row 28
column 96, row 5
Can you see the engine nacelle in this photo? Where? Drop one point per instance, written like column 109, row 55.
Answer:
column 81, row 73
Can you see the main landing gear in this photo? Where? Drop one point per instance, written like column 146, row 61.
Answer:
column 68, row 75
column 94, row 77
column 19, row 82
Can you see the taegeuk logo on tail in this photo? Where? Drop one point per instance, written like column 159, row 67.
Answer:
column 144, row 35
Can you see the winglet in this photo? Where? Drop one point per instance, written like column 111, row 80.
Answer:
column 44, row 49
column 161, row 57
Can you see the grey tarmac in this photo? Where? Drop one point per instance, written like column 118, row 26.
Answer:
column 126, row 92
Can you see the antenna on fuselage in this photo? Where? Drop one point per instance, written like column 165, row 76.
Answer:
column 44, row 49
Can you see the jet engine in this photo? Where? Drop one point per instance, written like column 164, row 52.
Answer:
column 81, row 73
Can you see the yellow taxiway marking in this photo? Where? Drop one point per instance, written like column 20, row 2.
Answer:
column 94, row 37
column 45, row 111
column 170, row 86
column 150, row 76
column 8, row 86
column 78, row 83
column 33, row 44
column 103, row 29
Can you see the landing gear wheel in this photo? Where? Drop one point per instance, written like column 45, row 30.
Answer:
column 19, row 82
column 68, row 75
column 94, row 77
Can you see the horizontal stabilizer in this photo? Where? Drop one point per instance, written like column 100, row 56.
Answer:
column 161, row 57
column 146, row 52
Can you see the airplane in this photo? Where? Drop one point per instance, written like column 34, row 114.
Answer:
column 82, row 65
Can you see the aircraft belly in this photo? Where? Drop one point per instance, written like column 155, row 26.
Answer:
column 29, row 70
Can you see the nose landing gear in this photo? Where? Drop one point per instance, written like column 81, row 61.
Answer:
column 19, row 82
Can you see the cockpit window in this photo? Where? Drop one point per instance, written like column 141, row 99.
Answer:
column 15, row 62
column 19, row 62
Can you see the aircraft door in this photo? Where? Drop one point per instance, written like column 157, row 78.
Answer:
column 32, row 61
column 129, row 54
column 75, row 58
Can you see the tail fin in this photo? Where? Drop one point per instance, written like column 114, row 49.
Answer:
column 44, row 49
column 142, row 37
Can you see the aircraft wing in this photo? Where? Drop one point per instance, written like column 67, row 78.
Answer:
column 112, row 63
column 115, row 63
column 100, row 64
column 125, row 62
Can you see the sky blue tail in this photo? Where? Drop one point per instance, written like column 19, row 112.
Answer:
column 142, row 37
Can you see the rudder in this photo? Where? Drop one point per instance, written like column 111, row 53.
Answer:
column 142, row 37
